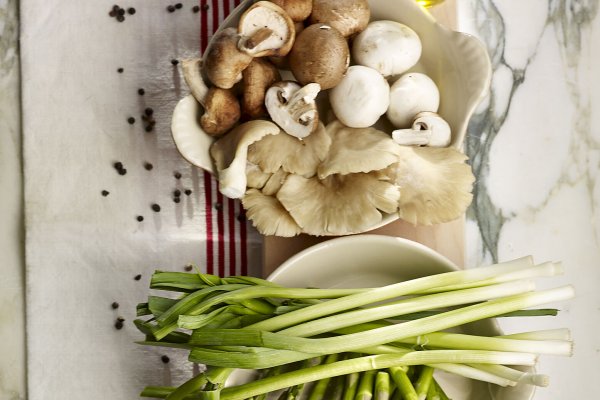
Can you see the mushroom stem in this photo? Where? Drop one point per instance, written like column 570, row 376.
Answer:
column 258, row 37
column 301, row 104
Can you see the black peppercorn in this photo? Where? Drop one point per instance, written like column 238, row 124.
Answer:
column 141, row 91
column 105, row 193
column 120, row 18
column 120, row 70
column 131, row 120
column 177, row 193
column 131, row 10
column 138, row 277
column 148, row 166
column 155, row 208
column 188, row 267
column 177, row 175
column 177, row 199
column 119, row 324
column 148, row 128
column 205, row 7
column 174, row 61
column 165, row 359
column 218, row 206
column 148, row 111
column 195, row 9
column 114, row 305
column 139, row 218
column 187, row 192
column 122, row 171
column 178, row 6
column 170, row 8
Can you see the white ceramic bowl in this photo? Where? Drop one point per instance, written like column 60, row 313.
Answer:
column 374, row 260
column 458, row 63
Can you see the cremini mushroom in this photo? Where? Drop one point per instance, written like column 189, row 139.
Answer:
column 268, row 215
column 221, row 111
column 266, row 30
column 387, row 46
column 347, row 16
column 293, row 107
column 338, row 204
column 298, row 10
column 362, row 96
column 409, row 95
column 257, row 78
column 428, row 129
column 355, row 150
column 192, row 74
column 435, row 183
column 320, row 55
column 230, row 155
column 285, row 152
column 223, row 61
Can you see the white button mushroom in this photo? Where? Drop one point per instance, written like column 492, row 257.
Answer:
column 409, row 95
column 361, row 97
column 387, row 46
column 428, row 129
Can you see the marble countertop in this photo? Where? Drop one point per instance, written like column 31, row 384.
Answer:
column 534, row 145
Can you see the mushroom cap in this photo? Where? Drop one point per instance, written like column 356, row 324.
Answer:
column 339, row 204
column 347, row 16
column 223, row 61
column 257, row 78
column 192, row 74
column 274, row 182
column 435, row 183
column 300, row 157
column 357, row 150
column 361, row 97
column 320, row 55
column 230, row 155
column 256, row 178
column 387, row 46
column 298, row 10
column 268, row 215
column 221, row 111
column 293, row 108
column 411, row 94
column 266, row 30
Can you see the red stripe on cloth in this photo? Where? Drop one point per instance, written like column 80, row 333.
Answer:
column 225, row 8
column 215, row 14
column 209, row 226
column 244, row 247
column 220, row 235
column 232, row 238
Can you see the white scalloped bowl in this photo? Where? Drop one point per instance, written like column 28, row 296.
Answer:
column 457, row 62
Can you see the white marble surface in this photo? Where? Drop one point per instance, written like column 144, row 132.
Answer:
column 12, row 299
column 535, row 146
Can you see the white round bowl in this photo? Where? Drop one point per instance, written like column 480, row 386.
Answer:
column 375, row 260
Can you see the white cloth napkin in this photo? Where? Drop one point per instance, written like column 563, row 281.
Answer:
column 84, row 249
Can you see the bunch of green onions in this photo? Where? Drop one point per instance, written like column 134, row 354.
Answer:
column 380, row 343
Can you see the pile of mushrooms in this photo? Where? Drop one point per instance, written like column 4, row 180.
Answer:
column 303, row 154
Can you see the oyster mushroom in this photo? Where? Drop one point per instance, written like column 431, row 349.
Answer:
column 387, row 46
column 230, row 155
column 285, row 152
column 338, row 204
column 435, row 183
column 428, row 129
column 347, row 16
column 257, row 78
column 409, row 95
column 266, row 30
column 224, row 62
column 256, row 178
column 357, row 150
column 274, row 182
column 192, row 74
column 362, row 96
column 320, row 55
column 293, row 108
column 268, row 215
column 298, row 10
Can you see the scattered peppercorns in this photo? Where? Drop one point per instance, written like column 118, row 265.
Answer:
column 140, row 218
column 195, row 9
column 218, row 206
column 148, row 119
column 188, row 267
column 177, row 175
column 165, row 359
column 131, row 11
column 138, row 277
column 155, row 207
column 241, row 217
column 114, row 305
column 120, row 70
column 205, row 7
column 148, row 166
column 131, row 120
column 187, row 192
column 141, row 91
column 105, row 193
column 149, row 111
column 119, row 13
column 174, row 62
column 177, row 193
column 178, row 6
column 177, row 200
column 171, row 8
column 119, row 167
column 119, row 323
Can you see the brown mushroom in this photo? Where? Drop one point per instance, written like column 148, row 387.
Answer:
column 266, row 30
column 257, row 78
column 221, row 111
column 320, row 55
column 224, row 62
column 347, row 16
column 298, row 10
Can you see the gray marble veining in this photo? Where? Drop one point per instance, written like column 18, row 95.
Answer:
column 12, row 332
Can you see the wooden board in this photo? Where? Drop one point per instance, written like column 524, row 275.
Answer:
column 447, row 239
